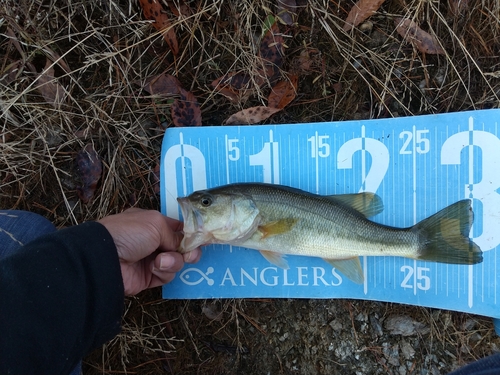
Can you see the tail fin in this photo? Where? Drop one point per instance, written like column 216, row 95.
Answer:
column 444, row 237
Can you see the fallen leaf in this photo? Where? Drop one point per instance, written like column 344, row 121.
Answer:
column 186, row 110
column 360, row 12
column 56, row 58
column 14, row 40
column 235, row 85
column 457, row 6
column 421, row 39
column 304, row 60
column 271, row 52
column 251, row 115
column 163, row 84
column 283, row 92
column 153, row 10
column 10, row 73
column 337, row 87
column 179, row 7
column 89, row 171
column 287, row 11
column 48, row 86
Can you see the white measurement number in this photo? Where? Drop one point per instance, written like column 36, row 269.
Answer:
column 421, row 144
column 420, row 279
column 319, row 146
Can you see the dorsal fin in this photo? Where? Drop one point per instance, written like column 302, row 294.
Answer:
column 368, row 204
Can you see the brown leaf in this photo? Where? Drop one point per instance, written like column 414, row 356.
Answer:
column 360, row 12
column 271, row 52
column 89, row 171
column 10, row 73
column 56, row 58
column 283, row 92
column 287, row 11
column 153, row 10
column 251, row 115
column 52, row 91
column 15, row 42
column 457, row 6
column 186, row 110
column 412, row 33
column 235, row 85
column 163, row 84
column 304, row 61
column 179, row 7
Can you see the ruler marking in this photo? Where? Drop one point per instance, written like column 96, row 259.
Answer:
column 183, row 165
column 471, row 195
column 414, row 198
column 226, row 140
column 362, row 189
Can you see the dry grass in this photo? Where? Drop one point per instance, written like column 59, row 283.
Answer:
column 103, row 51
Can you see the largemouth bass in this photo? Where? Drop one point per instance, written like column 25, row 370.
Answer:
column 279, row 220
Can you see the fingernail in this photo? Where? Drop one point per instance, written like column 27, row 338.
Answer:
column 166, row 262
column 191, row 256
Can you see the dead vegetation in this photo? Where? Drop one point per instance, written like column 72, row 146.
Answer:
column 74, row 74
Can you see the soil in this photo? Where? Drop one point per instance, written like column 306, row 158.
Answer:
column 288, row 336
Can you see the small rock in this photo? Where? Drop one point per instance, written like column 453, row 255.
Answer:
column 336, row 325
column 362, row 317
column 469, row 325
column 407, row 350
column 376, row 326
column 405, row 326
column 284, row 337
column 212, row 312
column 391, row 353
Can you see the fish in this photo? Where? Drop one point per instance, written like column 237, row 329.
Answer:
column 279, row 220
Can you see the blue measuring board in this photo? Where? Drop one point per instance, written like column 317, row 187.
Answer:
column 418, row 165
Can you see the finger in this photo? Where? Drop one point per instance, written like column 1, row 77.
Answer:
column 169, row 235
column 175, row 224
column 166, row 262
column 161, row 279
column 165, row 267
column 193, row 256
column 132, row 210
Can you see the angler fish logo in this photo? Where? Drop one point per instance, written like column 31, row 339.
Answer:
column 193, row 276
column 261, row 277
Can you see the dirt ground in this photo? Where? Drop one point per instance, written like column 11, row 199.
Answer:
column 76, row 72
column 292, row 337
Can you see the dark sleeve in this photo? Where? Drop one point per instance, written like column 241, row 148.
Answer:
column 60, row 296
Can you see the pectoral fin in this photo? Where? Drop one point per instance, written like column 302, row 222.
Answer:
column 368, row 204
column 277, row 227
column 351, row 268
column 275, row 258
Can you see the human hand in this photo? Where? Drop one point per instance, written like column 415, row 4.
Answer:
column 147, row 242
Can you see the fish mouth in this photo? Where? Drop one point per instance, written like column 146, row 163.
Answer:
column 194, row 235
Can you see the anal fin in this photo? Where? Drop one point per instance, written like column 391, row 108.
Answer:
column 351, row 268
column 275, row 258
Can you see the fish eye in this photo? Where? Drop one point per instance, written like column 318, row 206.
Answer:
column 206, row 201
